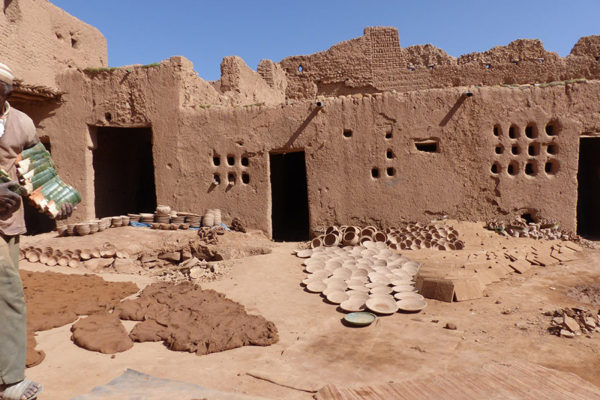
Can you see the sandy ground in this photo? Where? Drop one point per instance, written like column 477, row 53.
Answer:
column 315, row 348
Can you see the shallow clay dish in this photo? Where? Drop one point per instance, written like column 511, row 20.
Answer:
column 337, row 296
column 382, row 305
column 316, row 287
column 381, row 290
column 411, row 305
column 306, row 253
column 360, row 318
column 360, row 288
column 403, row 288
column 353, row 304
column 408, row 295
column 312, row 268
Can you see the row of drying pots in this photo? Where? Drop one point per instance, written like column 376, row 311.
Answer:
column 414, row 237
column 71, row 258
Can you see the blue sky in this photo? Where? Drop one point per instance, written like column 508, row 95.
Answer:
column 205, row 31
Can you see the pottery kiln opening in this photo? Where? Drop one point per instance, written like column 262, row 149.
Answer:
column 289, row 196
column 588, row 177
column 123, row 171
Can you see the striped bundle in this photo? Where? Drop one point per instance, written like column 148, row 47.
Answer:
column 40, row 181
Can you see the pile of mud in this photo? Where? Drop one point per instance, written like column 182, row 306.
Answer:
column 186, row 318
column 54, row 300
column 586, row 294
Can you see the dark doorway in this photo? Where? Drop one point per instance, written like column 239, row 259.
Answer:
column 289, row 196
column 123, row 171
column 35, row 221
column 588, row 196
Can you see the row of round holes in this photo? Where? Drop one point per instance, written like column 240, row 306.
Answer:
column 550, row 168
column 231, row 178
column 348, row 134
column 533, row 149
column 531, row 131
column 230, row 160
column 389, row 171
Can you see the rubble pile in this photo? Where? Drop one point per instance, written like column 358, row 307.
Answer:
column 571, row 322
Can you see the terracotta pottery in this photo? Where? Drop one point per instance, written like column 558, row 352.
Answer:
column 382, row 305
column 124, row 220
column 163, row 210
column 82, row 229
column 209, row 219
column 316, row 242
column 94, row 227
column 52, row 261
column 63, row 261
column 350, row 238
column 61, row 230
column 116, row 222
column 331, row 240
column 70, row 229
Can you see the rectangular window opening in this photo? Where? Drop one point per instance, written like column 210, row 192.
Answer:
column 427, row 146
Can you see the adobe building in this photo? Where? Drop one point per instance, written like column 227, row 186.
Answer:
column 366, row 132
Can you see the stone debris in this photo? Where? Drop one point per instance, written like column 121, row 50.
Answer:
column 208, row 235
column 571, row 322
column 543, row 230
column 236, row 225
column 451, row 326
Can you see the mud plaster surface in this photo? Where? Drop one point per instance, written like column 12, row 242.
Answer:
column 102, row 332
column 187, row 318
column 54, row 300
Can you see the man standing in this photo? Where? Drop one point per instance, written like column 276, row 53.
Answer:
column 17, row 132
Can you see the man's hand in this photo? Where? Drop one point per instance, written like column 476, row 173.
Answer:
column 65, row 211
column 9, row 200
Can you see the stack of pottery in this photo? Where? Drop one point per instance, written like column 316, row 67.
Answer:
column 162, row 214
column 64, row 258
column 194, row 220
column 147, row 218
column 412, row 237
column 116, row 222
column 134, row 217
column 212, row 218
column 368, row 276
column 104, row 223
column 177, row 219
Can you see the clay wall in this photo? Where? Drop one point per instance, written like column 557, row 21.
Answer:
column 457, row 181
column 375, row 62
column 39, row 40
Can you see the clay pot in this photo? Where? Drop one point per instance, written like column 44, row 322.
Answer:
column 379, row 237
column 82, row 229
column 164, row 227
column 209, row 219
column 393, row 246
column 173, row 227
column 459, row 245
column 331, row 240
column 124, row 220
column 94, row 226
column 350, row 238
column 63, row 260
column 178, row 220
column 134, row 217
column 365, row 239
column 332, row 229
column 43, row 258
column 74, row 263
column 185, row 227
column 95, row 253
column 116, row 222
column 316, row 242
column 108, row 252
column 155, row 225
column 70, row 229
column 217, row 214
column 52, row 261
column 162, row 210
column 86, row 254
column 61, row 230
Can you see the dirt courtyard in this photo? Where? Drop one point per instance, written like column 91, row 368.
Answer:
column 316, row 349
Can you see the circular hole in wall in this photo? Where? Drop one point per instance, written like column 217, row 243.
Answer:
column 388, row 135
column 231, row 178
column 216, row 179
column 390, row 171
column 530, row 168
column 300, row 68
column 552, row 148
column 497, row 130
column 488, row 66
column 513, row 168
column 531, row 131
column 515, row 149
column 347, row 133
column 533, row 149
column 551, row 167
column 108, row 116
column 495, row 168
column 245, row 178
column 389, row 154
column 230, row 159
column 375, row 172
column 216, row 161
column 245, row 161
column 513, row 132
column 499, row 149
column 552, row 128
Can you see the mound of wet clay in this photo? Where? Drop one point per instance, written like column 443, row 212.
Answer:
column 101, row 332
column 186, row 318
column 55, row 300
